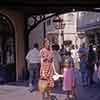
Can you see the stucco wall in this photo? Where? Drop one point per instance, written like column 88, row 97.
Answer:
column 36, row 36
column 70, row 20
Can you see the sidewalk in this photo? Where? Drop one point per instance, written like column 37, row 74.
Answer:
column 19, row 91
column 9, row 92
column 22, row 93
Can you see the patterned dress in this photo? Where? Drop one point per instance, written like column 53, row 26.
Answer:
column 46, row 71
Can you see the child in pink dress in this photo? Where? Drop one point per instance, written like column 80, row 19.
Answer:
column 69, row 80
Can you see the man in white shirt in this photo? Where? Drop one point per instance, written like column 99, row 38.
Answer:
column 33, row 60
column 75, row 56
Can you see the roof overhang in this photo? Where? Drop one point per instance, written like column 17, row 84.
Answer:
column 37, row 7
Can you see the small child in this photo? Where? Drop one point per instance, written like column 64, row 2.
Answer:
column 68, row 74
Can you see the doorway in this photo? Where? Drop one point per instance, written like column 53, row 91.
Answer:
column 7, row 50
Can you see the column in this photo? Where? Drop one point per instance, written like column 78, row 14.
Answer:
column 20, row 48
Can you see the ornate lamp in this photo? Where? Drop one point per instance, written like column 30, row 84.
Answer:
column 59, row 24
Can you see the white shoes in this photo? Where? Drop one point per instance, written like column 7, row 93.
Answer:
column 31, row 88
column 30, row 85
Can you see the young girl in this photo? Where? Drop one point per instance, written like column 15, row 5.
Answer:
column 69, row 80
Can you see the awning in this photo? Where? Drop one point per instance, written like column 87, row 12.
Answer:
column 87, row 27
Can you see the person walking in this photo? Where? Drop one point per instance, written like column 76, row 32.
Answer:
column 75, row 56
column 91, row 63
column 46, row 71
column 57, row 64
column 33, row 60
column 57, row 58
column 83, row 54
column 62, row 52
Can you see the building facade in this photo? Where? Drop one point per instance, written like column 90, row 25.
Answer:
column 54, row 34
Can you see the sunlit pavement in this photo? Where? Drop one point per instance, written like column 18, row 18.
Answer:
column 17, row 93
column 21, row 92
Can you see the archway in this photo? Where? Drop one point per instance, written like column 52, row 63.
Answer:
column 7, row 49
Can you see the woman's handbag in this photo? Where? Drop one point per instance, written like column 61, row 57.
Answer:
column 56, row 76
column 43, row 85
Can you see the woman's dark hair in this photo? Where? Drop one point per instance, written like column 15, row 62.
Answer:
column 90, row 48
column 55, row 47
column 68, row 53
column 73, row 47
column 36, row 45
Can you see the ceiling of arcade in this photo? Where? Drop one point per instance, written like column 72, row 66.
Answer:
column 36, row 7
column 41, row 7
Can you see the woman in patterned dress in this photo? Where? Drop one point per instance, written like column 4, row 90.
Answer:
column 46, row 71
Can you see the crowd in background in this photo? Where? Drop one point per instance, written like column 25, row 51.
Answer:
column 65, row 60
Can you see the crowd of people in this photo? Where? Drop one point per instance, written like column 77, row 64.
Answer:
column 51, row 60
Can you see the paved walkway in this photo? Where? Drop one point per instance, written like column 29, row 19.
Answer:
column 19, row 91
